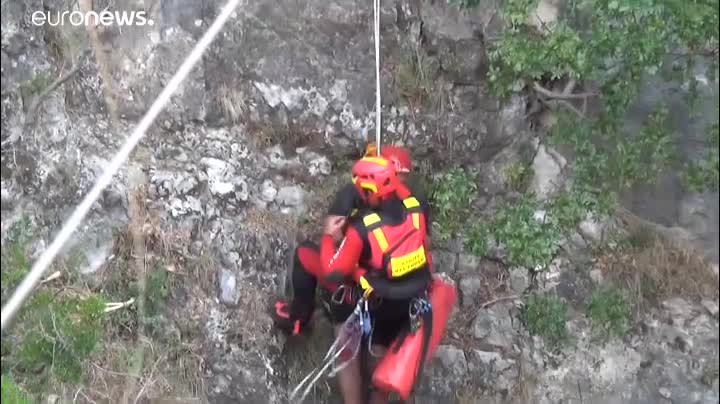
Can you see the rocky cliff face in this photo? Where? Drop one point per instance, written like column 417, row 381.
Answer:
column 250, row 148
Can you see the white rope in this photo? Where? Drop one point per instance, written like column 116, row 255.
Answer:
column 42, row 264
column 377, row 76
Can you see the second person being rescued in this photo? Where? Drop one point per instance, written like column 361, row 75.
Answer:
column 385, row 247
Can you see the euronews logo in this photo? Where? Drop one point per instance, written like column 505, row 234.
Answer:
column 80, row 18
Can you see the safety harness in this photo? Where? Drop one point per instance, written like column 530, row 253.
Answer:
column 405, row 282
column 408, row 262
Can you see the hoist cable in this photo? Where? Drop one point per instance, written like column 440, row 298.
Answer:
column 377, row 76
column 43, row 263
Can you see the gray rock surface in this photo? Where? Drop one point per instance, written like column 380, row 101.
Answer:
column 230, row 295
column 547, row 172
column 495, row 325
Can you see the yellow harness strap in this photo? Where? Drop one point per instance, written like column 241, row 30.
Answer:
column 409, row 262
column 413, row 205
column 373, row 220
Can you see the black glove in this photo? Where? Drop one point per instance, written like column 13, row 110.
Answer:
column 346, row 199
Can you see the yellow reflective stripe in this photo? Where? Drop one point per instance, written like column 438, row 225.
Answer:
column 408, row 262
column 371, row 219
column 376, row 160
column 411, row 202
column 416, row 220
column 380, row 237
column 369, row 186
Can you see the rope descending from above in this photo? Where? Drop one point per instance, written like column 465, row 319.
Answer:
column 347, row 343
column 377, row 75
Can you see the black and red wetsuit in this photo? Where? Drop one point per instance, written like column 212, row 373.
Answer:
column 329, row 265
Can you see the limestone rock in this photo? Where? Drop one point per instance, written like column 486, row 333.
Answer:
column 494, row 325
column 519, row 280
column 469, row 288
column 452, row 360
column 229, row 293
column 596, row 276
column 291, row 196
column 444, row 261
column 318, row 165
column 547, row 169
column 711, row 307
column 468, row 264
column 268, row 192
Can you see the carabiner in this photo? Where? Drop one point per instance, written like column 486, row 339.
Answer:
column 414, row 310
column 342, row 290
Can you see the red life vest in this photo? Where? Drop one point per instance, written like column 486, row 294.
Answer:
column 399, row 249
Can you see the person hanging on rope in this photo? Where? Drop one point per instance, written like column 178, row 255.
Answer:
column 294, row 317
column 348, row 200
column 384, row 246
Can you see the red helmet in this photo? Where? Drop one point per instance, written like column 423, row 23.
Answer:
column 399, row 155
column 375, row 178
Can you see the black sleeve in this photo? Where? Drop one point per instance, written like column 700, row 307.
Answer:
column 346, row 199
column 425, row 205
column 418, row 191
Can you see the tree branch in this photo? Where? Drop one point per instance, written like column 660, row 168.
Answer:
column 499, row 299
column 35, row 103
column 569, row 87
column 561, row 96
column 566, row 104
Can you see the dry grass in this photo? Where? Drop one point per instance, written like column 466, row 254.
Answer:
column 232, row 104
column 653, row 268
column 169, row 371
column 322, row 193
column 266, row 221
column 289, row 136
column 305, row 354
column 141, row 365
column 414, row 79
column 297, row 174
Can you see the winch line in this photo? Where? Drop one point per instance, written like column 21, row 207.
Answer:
column 377, row 76
column 43, row 263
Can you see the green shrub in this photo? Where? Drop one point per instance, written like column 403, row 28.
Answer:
column 59, row 334
column 546, row 315
column 517, row 176
column 608, row 310
column 451, row 198
column 15, row 263
column 476, row 239
column 12, row 393
column 530, row 243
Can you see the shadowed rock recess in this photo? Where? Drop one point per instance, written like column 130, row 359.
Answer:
column 241, row 164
